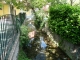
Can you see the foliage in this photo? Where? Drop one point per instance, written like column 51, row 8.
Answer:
column 37, row 22
column 22, row 55
column 65, row 21
column 22, row 17
column 19, row 5
column 10, row 1
column 27, row 4
column 1, row 5
column 39, row 3
column 24, row 39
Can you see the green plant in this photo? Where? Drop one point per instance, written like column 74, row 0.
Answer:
column 38, row 22
column 65, row 21
column 22, row 17
column 22, row 55
column 24, row 39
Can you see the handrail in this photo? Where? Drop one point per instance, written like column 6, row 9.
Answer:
column 8, row 35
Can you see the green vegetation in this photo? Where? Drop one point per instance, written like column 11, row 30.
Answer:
column 37, row 22
column 65, row 21
column 22, row 17
column 22, row 55
column 1, row 5
column 24, row 39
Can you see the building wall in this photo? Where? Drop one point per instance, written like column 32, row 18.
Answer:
column 28, row 13
column 17, row 11
column 1, row 12
column 5, row 9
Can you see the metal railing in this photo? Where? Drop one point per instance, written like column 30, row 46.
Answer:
column 8, row 35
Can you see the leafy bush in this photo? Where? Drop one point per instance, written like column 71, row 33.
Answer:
column 22, row 55
column 65, row 21
column 24, row 39
column 22, row 17
column 38, row 22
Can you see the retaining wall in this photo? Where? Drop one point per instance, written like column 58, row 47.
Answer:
column 73, row 51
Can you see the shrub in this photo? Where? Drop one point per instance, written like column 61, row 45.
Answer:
column 65, row 21
column 38, row 22
column 22, row 55
column 22, row 17
column 24, row 39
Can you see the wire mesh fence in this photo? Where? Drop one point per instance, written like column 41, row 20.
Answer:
column 8, row 35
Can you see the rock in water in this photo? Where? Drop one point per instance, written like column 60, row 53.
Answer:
column 41, row 56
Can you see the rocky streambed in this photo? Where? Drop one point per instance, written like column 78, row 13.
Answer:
column 47, row 51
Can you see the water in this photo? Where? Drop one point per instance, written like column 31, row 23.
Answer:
column 39, row 50
column 42, row 44
column 41, row 56
column 40, row 47
column 31, row 40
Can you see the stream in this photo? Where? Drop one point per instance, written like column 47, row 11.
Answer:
column 41, row 48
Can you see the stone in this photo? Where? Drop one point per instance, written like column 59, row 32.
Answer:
column 47, row 54
column 41, row 56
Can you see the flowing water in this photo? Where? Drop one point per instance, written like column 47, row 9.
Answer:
column 41, row 48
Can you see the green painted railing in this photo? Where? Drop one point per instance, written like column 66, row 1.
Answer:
column 8, row 35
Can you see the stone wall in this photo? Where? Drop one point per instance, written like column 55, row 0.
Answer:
column 71, row 50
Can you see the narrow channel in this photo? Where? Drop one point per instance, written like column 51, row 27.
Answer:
column 41, row 48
